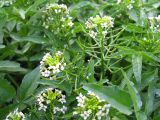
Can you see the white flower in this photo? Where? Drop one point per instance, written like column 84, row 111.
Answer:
column 92, row 34
column 81, row 100
column 70, row 24
column 104, row 33
column 62, row 99
column 85, row 114
column 90, row 93
column 58, row 91
column 46, row 73
column 48, row 70
column 130, row 6
column 42, row 107
column 104, row 25
column 158, row 18
column 100, row 114
column 89, row 25
column 118, row 1
column 56, row 109
column 132, row 1
column 47, row 55
column 59, row 53
column 75, row 113
column 63, row 109
column 62, row 67
column 11, row 115
column 63, row 19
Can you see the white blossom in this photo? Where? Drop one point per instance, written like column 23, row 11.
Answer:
column 92, row 34
column 80, row 100
column 85, row 114
column 20, row 115
column 70, row 24
column 130, row 6
column 63, row 109
column 158, row 18
column 49, row 70
column 119, row 1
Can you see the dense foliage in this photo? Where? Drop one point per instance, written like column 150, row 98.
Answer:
column 79, row 59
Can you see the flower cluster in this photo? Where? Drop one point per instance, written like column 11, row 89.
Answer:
column 15, row 115
column 6, row 2
column 103, row 23
column 53, row 98
column 154, row 23
column 91, row 106
column 55, row 16
column 52, row 65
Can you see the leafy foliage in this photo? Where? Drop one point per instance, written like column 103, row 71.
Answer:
column 109, row 50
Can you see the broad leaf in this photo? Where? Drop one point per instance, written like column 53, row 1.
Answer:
column 10, row 66
column 151, row 95
column 29, row 84
column 64, row 85
column 118, row 99
column 136, row 99
column 34, row 39
column 7, row 91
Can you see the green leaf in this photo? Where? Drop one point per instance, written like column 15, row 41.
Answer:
column 29, row 84
column 91, row 70
column 1, row 36
column 22, row 13
column 10, row 25
column 2, row 46
column 34, row 39
column 7, row 109
column 64, row 85
column 136, row 99
column 137, row 67
column 133, row 15
column 7, row 91
column 10, row 66
column 151, row 56
column 118, row 99
column 133, row 28
column 134, row 93
column 151, row 94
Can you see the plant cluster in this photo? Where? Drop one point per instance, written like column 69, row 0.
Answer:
column 76, row 59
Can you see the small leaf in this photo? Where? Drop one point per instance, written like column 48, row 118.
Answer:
column 118, row 99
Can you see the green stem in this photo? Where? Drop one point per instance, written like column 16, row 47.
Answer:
column 102, row 57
